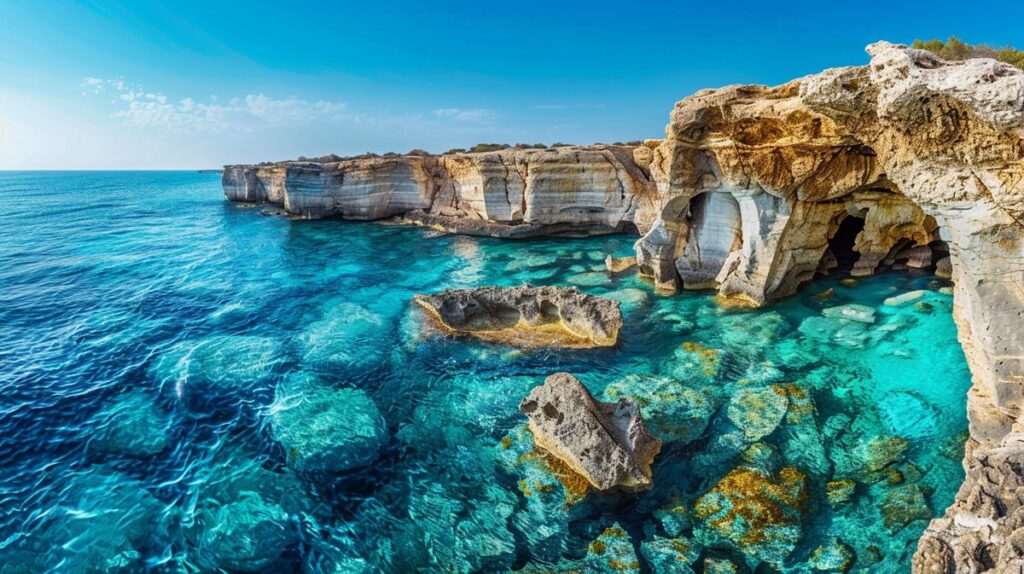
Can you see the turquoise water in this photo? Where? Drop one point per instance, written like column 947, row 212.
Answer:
column 190, row 386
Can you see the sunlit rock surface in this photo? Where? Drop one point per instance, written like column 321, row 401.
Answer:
column 606, row 443
column 568, row 190
column 526, row 316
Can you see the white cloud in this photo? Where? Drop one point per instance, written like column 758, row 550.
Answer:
column 139, row 108
column 465, row 115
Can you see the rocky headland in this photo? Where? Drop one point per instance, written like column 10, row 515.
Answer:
column 908, row 161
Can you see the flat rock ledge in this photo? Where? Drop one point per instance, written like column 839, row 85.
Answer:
column 526, row 316
column 608, row 444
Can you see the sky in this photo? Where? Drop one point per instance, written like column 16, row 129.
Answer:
column 198, row 84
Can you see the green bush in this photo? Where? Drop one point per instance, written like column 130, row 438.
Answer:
column 956, row 49
column 488, row 147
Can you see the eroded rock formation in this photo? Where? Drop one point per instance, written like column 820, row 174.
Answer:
column 606, row 443
column 508, row 193
column 526, row 316
column 754, row 184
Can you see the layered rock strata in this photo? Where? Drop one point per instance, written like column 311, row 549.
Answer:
column 605, row 443
column 509, row 193
column 526, row 316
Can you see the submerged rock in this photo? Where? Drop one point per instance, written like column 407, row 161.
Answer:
column 454, row 536
column 851, row 311
column 832, row 557
column 225, row 363
column 671, row 555
column 245, row 515
column 864, row 459
column 674, row 517
column 757, row 412
column 720, row 566
column 606, row 443
column 132, row 424
column 903, row 505
column 346, row 336
column 246, row 535
column 102, row 522
column 672, row 411
column 839, row 492
column 612, row 553
column 323, row 428
column 526, row 316
column 554, row 495
column 907, row 297
column 754, row 512
column 843, row 332
column 694, row 363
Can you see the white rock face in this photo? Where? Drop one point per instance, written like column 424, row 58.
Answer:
column 358, row 189
column 239, row 183
column 584, row 188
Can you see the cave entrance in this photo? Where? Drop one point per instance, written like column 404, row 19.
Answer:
column 841, row 244
column 716, row 231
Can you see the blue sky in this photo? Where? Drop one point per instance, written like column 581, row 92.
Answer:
column 146, row 85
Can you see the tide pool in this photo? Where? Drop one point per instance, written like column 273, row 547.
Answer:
column 190, row 386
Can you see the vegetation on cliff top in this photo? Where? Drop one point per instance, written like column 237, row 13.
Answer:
column 956, row 49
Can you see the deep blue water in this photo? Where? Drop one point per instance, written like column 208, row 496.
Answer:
column 186, row 385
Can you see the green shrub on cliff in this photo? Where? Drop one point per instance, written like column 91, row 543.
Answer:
column 956, row 49
column 480, row 147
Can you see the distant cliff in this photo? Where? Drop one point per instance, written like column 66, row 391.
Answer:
column 506, row 193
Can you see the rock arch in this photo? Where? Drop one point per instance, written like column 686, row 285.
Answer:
column 935, row 151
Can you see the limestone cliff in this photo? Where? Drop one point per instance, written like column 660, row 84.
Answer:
column 505, row 193
column 754, row 184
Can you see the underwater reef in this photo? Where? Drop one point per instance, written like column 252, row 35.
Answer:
column 908, row 162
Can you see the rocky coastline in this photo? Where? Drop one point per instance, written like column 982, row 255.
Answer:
column 909, row 161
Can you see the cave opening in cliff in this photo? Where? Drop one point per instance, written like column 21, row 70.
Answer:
column 716, row 231
column 841, row 244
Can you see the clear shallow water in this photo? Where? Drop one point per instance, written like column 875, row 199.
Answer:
column 181, row 378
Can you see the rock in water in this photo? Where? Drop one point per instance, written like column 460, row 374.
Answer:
column 527, row 316
column 249, row 535
column 606, row 443
column 619, row 264
column 671, row 555
column 897, row 300
column 132, row 424
column 611, row 552
column 851, row 311
column 756, row 513
column 673, row 411
column 323, row 428
column 757, row 412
